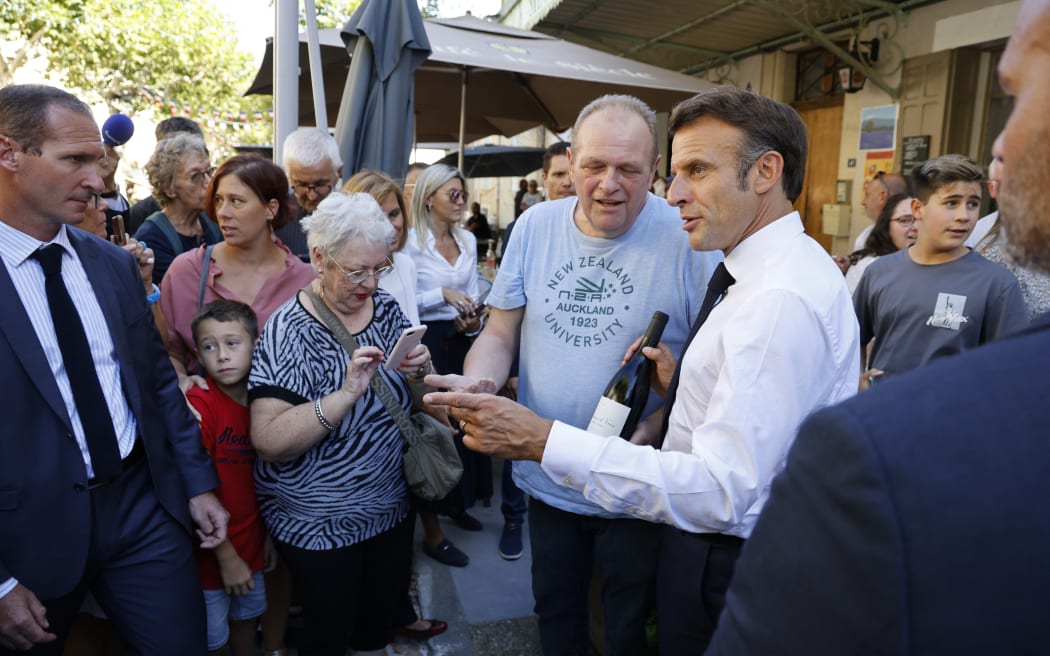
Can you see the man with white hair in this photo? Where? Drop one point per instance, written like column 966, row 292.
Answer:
column 311, row 159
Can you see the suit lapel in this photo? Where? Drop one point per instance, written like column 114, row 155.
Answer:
column 18, row 330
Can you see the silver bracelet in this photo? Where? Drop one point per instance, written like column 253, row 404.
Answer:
column 321, row 418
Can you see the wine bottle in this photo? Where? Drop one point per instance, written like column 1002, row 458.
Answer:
column 624, row 400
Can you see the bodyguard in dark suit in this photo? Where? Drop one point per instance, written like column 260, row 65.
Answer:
column 102, row 473
column 914, row 518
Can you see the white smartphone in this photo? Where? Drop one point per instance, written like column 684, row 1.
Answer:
column 409, row 340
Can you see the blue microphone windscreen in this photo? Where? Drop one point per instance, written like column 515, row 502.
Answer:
column 117, row 130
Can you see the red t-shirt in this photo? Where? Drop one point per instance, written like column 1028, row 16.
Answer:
column 224, row 431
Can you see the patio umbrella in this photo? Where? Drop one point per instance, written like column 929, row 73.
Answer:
column 375, row 122
column 514, row 79
column 488, row 161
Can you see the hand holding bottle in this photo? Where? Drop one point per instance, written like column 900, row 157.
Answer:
column 622, row 404
column 664, row 360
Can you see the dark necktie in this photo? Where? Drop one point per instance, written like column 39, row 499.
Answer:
column 716, row 289
column 80, row 368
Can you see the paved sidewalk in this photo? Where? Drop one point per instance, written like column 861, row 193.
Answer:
column 488, row 603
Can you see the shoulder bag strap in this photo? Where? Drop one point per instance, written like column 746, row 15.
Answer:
column 205, row 267
column 161, row 220
column 378, row 385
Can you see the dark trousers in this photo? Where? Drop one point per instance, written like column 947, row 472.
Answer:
column 566, row 549
column 141, row 569
column 404, row 611
column 694, row 573
column 349, row 595
column 513, row 504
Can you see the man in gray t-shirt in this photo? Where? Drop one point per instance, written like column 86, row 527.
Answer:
column 580, row 280
column 937, row 297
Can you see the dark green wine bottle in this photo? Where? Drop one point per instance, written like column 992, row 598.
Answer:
column 623, row 402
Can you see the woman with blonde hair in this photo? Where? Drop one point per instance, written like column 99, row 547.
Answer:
column 401, row 283
column 447, row 294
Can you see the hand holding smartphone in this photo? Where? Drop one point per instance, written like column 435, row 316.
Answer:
column 408, row 341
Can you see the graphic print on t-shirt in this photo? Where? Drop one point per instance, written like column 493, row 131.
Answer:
column 586, row 294
column 948, row 312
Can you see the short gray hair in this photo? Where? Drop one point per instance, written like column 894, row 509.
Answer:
column 341, row 219
column 167, row 159
column 622, row 103
column 308, row 146
column 429, row 181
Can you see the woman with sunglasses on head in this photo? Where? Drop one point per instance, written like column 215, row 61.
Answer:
column 446, row 295
column 894, row 229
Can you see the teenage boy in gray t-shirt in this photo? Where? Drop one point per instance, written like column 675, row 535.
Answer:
column 937, row 297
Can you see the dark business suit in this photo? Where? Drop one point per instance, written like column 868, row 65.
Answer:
column 913, row 519
column 46, row 510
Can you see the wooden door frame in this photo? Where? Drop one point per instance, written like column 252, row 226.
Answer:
column 813, row 223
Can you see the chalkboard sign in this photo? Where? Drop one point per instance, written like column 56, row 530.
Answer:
column 915, row 150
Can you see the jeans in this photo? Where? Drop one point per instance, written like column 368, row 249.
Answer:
column 566, row 549
column 513, row 504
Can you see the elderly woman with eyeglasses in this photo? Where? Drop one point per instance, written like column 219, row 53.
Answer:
column 179, row 172
column 447, row 297
column 329, row 479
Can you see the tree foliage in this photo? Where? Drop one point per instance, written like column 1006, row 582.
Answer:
column 138, row 55
column 331, row 13
column 181, row 50
column 29, row 26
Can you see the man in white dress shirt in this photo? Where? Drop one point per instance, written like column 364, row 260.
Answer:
column 781, row 343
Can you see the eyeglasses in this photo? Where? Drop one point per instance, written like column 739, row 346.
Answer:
column 456, row 194
column 200, row 177
column 321, row 189
column 906, row 220
column 361, row 275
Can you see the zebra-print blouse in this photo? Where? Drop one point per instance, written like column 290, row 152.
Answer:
column 348, row 487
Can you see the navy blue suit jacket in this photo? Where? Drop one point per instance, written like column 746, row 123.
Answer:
column 912, row 519
column 45, row 513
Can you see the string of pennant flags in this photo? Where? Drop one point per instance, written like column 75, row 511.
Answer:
column 238, row 120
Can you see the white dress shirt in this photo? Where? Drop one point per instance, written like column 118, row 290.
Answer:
column 434, row 272
column 401, row 284
column 862, row 238
column 981, row 228
column 782, row 343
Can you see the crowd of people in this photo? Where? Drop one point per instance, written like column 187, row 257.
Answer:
column 201, row 433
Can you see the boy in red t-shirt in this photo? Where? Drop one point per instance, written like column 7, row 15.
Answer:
column 225, row 333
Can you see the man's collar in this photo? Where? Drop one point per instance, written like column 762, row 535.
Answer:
column 752, row 251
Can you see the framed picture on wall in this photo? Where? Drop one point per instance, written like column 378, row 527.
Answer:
column 878, row 127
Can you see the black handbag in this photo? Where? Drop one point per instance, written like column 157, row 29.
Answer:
column 431, row 465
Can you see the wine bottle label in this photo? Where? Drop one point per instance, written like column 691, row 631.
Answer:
column 608, row 418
